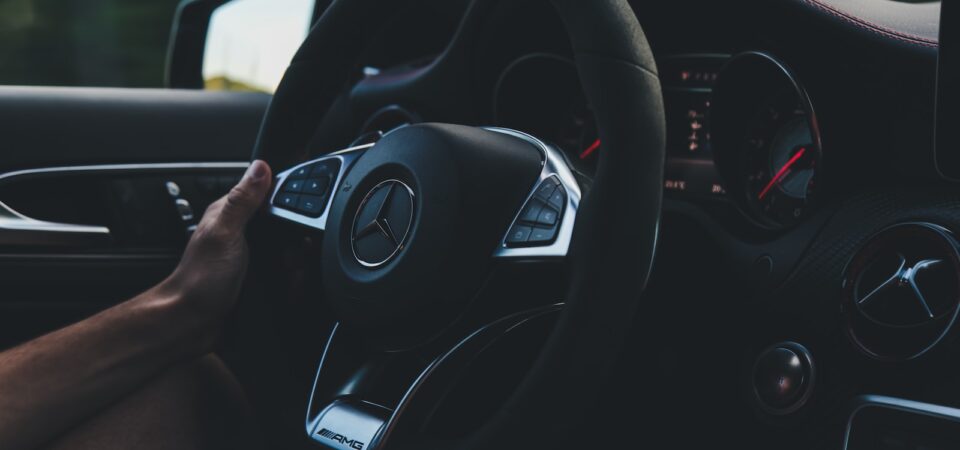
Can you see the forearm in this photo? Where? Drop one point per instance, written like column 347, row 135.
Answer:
column 53, row 383
column 49, row 384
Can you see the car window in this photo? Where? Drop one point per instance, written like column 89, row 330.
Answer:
column 119, row 43
column 250, row 43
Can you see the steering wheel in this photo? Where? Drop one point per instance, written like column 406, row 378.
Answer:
column 413, row 223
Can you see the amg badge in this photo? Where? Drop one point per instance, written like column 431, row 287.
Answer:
column 341, row 439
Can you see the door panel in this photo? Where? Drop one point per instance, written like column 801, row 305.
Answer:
column 122, row 161
column 45, row 127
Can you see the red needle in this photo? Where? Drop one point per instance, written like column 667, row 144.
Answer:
column 782, row 172
column 592, row 148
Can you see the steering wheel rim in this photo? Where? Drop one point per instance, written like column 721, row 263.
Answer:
column 615, row 235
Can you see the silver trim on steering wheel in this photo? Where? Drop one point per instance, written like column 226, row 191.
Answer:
column 554, row 164
column 346, row 157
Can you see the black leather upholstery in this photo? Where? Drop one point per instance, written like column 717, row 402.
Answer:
column 913, row 24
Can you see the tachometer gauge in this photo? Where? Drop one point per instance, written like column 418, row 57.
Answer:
column 766, row 140
column 780, row 159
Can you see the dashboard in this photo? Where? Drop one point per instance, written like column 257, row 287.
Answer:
column 794, row 143
column 800, row 168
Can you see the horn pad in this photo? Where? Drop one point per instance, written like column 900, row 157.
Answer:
column 415, row 222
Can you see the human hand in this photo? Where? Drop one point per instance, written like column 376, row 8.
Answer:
column 212, row 268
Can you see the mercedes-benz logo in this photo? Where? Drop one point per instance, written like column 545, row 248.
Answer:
column 382, row 223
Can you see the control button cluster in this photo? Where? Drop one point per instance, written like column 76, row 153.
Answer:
column 307, row 189
column 540, row 217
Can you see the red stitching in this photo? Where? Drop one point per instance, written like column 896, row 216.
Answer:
column 879, row 29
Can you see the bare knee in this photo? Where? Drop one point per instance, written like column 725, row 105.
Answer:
column 197, row 405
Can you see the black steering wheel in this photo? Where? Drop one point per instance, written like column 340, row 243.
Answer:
column 413, row 222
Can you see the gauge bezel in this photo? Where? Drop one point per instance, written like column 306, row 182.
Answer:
column 745, row 81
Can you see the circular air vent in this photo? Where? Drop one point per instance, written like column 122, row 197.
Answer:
column 902, row 290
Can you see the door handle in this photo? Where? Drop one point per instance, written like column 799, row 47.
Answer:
column 19, row 230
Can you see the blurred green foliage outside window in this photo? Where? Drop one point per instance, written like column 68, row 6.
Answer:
column 120, row 43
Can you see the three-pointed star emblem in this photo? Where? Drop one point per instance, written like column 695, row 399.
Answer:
column 382, row 223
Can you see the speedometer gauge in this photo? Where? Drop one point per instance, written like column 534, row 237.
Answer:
column 780, row 159
column 767, row 142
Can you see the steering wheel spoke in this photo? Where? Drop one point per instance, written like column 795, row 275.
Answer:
column 350, row 406
column 543, row 228
column 304, row 193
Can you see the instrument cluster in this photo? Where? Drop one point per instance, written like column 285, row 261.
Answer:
column 739, row 128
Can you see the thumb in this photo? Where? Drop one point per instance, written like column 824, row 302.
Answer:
column 247, row 196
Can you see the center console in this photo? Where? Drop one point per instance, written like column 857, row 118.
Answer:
column 886, row 423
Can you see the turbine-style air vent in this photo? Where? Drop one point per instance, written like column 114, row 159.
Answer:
column 902, row 290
